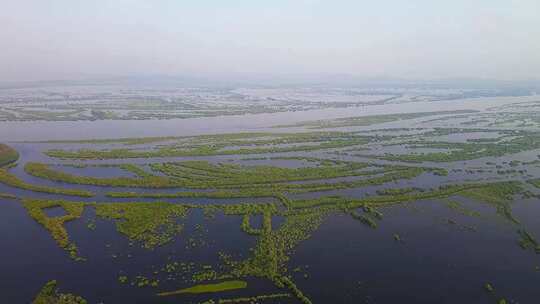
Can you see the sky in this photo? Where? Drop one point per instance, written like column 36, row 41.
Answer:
column 412, row 39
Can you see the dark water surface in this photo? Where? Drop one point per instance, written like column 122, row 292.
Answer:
column 436, row 261
column 443, row 256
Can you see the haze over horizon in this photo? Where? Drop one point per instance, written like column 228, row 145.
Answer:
column 50, row 40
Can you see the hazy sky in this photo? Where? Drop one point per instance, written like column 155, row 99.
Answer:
column 61, row 39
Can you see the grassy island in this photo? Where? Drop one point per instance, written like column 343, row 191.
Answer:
column 49, row 294
column 8, row 155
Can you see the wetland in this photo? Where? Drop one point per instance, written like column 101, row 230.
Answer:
column 363, row 200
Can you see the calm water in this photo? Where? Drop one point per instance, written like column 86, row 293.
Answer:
column 17, row 131
column 437, row 262
column 348, row 262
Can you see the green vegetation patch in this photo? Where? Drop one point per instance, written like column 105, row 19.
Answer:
column 528, row 241
column 49, row 294
column 13, row 181
column 360, row 121
column 227, row 144
column 46, row 172
column 8, row 155
column 55, row 225
column 221, row 194
column 7, row 195
column 535, row 182
column 459, row 208
column 499, row 195
column 208, row 288
column 459, row 151
column 153, row 224
column 246, row 181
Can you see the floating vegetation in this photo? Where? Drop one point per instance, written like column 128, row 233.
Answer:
column 153, row 224
column 150, row 103
column 535, row 182
column 297, row 292
column 293, row 185
column 360, row 121
column 91, row 224
column 528, row 241
column 231, row 174
column 369, row 221
column 246, row 227
column 142, row 281
column 459, row 208
column 55, row 225
column 220, row 194
column 458, row 151
column 13, row 181
column 8, row 155
column 49, row 295
column 499, row 195
column 369, row 217
column 234, row 181
column 44, row 171
column 207, row 288
column 7, row 195
column 123, row 279
column 208, row 145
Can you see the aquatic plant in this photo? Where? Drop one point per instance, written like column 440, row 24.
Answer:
column 456, row 151
column 7, row 195
column 368, row 120
column 458, row 207
column 365, row 218
column 8, row 155
column 499, row 195
column 153, row 224
column 235, row 181
column 13, row 181
column 216, row 145
column 55, row 225
column 207, row 288
column 49, row 294
column 528, row 241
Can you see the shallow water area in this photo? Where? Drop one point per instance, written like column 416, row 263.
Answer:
column 406, row 210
